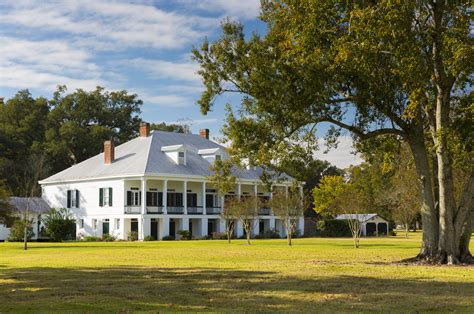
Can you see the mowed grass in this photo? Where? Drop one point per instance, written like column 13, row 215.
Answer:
column 314, row 275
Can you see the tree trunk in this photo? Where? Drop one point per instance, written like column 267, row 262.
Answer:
column 429, row 218
column 288, row 235
column 406, row 231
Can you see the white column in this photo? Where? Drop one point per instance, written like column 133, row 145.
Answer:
column 239, row 229
column 165, row 199
column 140, row 228
column 204, row 226
column 204, row 200
column 301, row 225
column 143, row 200
column 239, row 189
column 256, row 227
column 255, row 189
column 286, row 190
column 221, row 226
column 185, row 198
column 222, row 203
column 164, row 227
column 184, row 224
column 122, row 236
column 146, row 227
column 271, row 223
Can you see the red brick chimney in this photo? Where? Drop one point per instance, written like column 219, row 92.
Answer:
column 109, row 152
column 144, row 129
column 204, row 133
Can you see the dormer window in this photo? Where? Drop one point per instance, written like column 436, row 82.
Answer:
column 181, row 158
column 177, row 153
column 211, row 154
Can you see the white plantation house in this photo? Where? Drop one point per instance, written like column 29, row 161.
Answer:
column 155, row 184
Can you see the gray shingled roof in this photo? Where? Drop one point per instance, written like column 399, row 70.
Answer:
column 143, row 156
column 36, row 204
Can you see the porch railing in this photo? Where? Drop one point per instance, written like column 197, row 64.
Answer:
column 264, row 211
column 175, row 209
column 213, row 210
column 195, row 210
column 133, row 209
column 154, row 209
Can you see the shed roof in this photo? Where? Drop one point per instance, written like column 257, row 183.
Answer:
column 360, row 217
column 36, row 204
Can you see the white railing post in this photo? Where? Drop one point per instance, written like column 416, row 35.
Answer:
column 165, row 197
column 143, row 200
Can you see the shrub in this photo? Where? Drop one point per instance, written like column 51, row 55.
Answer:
column 392, row 233
column 271, row 234
column 149, row 238
column 108, row 238
column 206, row 237
column 132, row 236
column 185, row 234
column 59, row 224
column 17, row 231
column 334, row 228
column 219, row 236
column 168, row 238
column 91, row 239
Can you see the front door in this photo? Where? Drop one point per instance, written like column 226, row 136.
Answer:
column 105, row 227
column 154, row 228
column 211, row 227
column 134, row 225
column 261, row 226
column 172, row 228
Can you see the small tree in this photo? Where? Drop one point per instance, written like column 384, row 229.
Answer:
column 224, row 180
column 33, row 170
column 5, row 208
column 289, row 208
column 59, row 224
column 333, row 196
column 229, row 214
column 247, row 211
column 17, row 231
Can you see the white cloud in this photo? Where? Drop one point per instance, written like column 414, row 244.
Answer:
column 169, row 100
column 161, row 69
column 242, row 9
column 342, row 156
column 44, row 64
column 110, row 23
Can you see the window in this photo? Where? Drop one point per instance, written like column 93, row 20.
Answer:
column 134, row 197
column 181, row 159
column 212, row 200
column 72, row 198
column 117, row 223
column 105, row 197
column 192, row 200
column 154, row 199
column 94, row 224
column 218, row 157
column 81, row 223
column 175, row 199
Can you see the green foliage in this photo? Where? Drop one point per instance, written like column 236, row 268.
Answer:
column 92, row 239
column 177, row 128
column 222, row 176
column 108, row 238
column 60, row 224
column 168, row 238
column 333, row 228
column 66, row 129
column 17, row 231
column 5, row 208
column 149, row 238
column 185, row 234
column 132, row 236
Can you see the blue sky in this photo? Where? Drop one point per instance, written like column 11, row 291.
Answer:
column 141, row 46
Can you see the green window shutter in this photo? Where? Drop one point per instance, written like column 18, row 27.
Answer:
column 68, row 199
column 101, row 197
column 110, row 196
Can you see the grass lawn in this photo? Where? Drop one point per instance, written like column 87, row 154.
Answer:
column 314, row 275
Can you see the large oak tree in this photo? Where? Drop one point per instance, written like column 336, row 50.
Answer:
column 393, row 68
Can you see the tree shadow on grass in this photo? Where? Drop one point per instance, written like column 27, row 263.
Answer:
column 205, row 289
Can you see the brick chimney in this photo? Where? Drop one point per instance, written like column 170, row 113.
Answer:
column 109, row 152
column 144, row 129
column 204, row 133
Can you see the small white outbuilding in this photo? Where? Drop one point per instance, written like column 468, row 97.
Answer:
column 371, row 224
